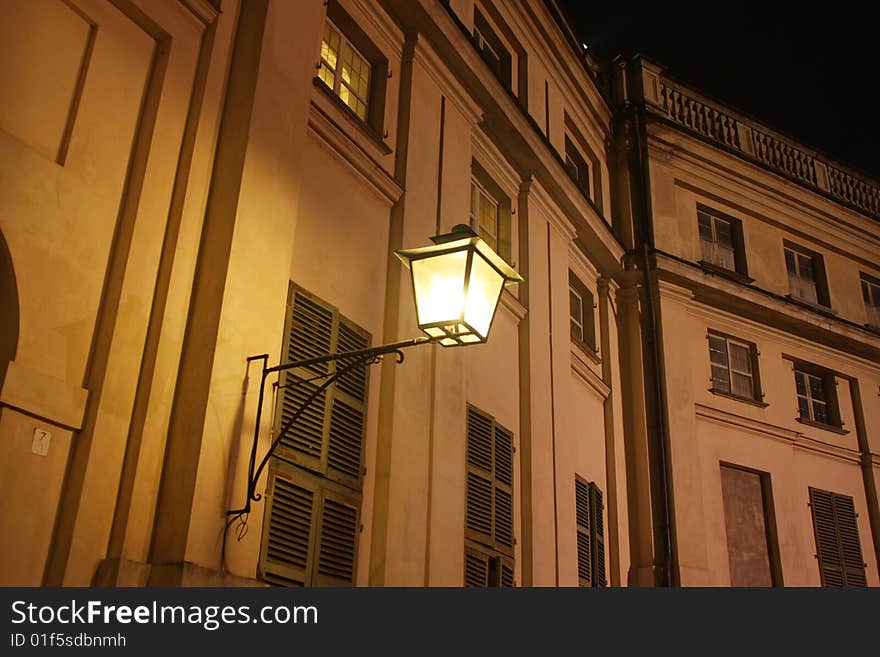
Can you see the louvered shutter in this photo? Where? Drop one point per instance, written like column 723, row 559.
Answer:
column 506, row 576
column 348, row 415
column 312, row 518
column 309, row 330
column 328, row 438
column 838, row 547
column 598, row 530
column 478, row 521
column 584, row 538
column 503, row 503
column 337, row 532
column 476, row 568
column 286, row 557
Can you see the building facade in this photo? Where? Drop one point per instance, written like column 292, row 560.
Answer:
column 683, row 390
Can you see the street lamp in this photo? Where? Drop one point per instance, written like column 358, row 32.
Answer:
column 457, row 284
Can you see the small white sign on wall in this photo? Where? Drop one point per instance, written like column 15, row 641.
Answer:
column 40, row 445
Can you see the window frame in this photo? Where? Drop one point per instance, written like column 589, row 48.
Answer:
column 576, row 165
column 360, row 42
column 478, row 190
column 338, row 79
column 870, row 287
column 757, row 396
column 740, row 269
column 504, row 236
column 484, row 34
column 769, row 510
column 819, row 279
column 586, row 341
column 828, row 381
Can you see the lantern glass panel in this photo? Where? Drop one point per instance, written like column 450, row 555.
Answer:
column 439, row 287
column 484, row 288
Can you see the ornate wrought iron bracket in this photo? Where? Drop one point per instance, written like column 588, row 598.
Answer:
column 348, row 361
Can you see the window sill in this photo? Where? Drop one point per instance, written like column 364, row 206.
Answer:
column 873, row 328
column 588, row 351
column 821, row 425
column 366, row 129
column 819, row 308
column 726, row 273
column 747, row 400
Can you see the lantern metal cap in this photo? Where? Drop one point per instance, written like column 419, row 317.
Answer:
column 462, row 236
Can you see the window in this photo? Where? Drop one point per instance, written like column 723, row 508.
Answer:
column 814, row 395
column 752, row 547
column 581, row 162
column 492, row 49
column 315, row 476
column 721, row 241
column 806, row 275
column 344, row 70
column 577, row 167
column 490, row 212
column 838, row 547
column 871, row 297
column 590, row 533
column 582, row 313
column 489, row 502
column 734, row 366
column 484, row 215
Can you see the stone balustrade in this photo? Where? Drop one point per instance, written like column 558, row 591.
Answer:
column 717, row 123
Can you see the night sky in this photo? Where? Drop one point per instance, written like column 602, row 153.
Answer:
column 811, row 75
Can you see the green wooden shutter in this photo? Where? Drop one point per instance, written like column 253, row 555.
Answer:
column 598, row 532
column 286, row 558
column 503, row 500
column 312, row 517
column 489, row 539
column 838, row 547
column 476, row 568
column 337, row 545
column 478, row 515
column 329, row 436
column 310, row 333
column 584, row 538
column 349, row 409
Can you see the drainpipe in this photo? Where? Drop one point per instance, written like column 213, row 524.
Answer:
column 867, row 463
column 652, row 300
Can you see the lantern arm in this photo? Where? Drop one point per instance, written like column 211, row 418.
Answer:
column 351, row 360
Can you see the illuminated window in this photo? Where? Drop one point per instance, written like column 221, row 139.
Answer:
column 734, row 366
column 484, row 215
column 345, row 71
column 871, row 297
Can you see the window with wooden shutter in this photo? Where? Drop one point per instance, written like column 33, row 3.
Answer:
column 312, row 516
column 328, row 437
column 838, row 548
column 489, row 537
column 589, row 510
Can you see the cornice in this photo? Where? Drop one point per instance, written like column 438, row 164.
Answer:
column 782, row 434
column 580, row 367
column 351, row 153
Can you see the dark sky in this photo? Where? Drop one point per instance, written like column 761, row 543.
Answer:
column 809, row 73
